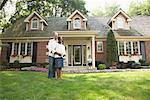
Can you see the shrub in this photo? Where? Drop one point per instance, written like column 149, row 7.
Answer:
column 45, row 65
column 16, row 64
column 101, row 66
column 144, row 62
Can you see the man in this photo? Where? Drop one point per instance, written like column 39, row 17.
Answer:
column 51, row 49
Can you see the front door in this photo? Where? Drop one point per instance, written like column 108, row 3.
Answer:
column 77, row 55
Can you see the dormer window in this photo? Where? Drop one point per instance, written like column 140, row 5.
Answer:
column 77, row 23
column 34, row 24
column 120, row 23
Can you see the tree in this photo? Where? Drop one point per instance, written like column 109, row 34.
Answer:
column 111, row 48
column 136, row 8
column 109, row 10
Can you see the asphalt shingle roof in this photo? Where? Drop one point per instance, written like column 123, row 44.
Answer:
column 139, row 26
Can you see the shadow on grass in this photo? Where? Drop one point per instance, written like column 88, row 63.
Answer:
column 35, row 85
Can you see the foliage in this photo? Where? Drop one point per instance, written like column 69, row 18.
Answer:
column 48, row 8
column 111, row 48
column 22, row 85
column 16, row 64
column 101, row 66
column 136, row 8
column 144, row 62
column 109, row 10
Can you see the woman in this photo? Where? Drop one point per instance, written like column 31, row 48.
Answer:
column 60, row 53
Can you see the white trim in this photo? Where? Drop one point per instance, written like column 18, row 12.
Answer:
column 125, row 51
column 12, row 51
column 93, row 51
column 99, row 42
column 19, row 48
column 139, row 48
column 26, row 45
column 132, row 52
column 118, row 42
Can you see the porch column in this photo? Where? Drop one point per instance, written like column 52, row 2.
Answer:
column 93, row 51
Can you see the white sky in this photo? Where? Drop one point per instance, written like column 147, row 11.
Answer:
column 90, row 4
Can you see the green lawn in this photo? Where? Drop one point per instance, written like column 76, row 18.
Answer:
column 17, row 85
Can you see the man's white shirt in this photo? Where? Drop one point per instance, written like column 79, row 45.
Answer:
column 52, row 47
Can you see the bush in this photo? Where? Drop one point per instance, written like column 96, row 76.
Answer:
column 144, row 62
column 101, row 66
column 134, row 65
column 45, row 65
column 16, row 64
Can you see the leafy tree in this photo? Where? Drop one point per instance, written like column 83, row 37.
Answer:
column 111, row 48
column 136, row 8
column 109, row 10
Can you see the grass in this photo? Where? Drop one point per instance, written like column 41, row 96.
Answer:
column 17, row 85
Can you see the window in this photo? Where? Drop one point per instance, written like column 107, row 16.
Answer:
column 28, row 49
column 128, row 48
column 99, row 46
column 22, row 49
column 121, row 48
column 135, row 48
column 25, row 49
column 16, row 48
column 34, row 24
column 120, row 23
column 77, row 23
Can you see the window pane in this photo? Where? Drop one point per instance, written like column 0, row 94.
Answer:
column 22, row 52
column 135, row 47
column 121, row 48
column 120, row 23
column 16, row 47
column 99, row 46
column 34, row 23
column 77, row 23
column 29, row 49
column 128, row 47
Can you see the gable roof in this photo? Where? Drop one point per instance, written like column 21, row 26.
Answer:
column 75, row 12
column 35, row 13
column 139, row 26
column 123, row 13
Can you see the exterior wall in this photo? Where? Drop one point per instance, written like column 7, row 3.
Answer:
column 100, row 56
column 41, row 52
column 3, row 56
column 147, row 50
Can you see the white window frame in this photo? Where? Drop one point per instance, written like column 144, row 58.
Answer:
column 32, row 21
column 97, row 47
column 132, row 48
column 120, row 23
column 19, row 48
column 78, row 21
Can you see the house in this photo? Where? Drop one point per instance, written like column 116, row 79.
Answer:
column 83, row 36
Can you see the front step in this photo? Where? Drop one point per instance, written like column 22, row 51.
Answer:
column 77, row 69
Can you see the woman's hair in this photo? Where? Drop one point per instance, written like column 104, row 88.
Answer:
column 59, row 40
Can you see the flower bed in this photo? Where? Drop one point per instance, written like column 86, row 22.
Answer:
column 39, row 69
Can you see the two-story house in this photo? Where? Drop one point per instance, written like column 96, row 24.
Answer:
column 83, row 36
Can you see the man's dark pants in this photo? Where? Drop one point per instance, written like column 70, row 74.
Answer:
column 51, row 68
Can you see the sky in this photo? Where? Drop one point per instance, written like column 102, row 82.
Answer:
column 90, row 5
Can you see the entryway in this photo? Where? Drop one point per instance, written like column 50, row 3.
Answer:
column 77, row 55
